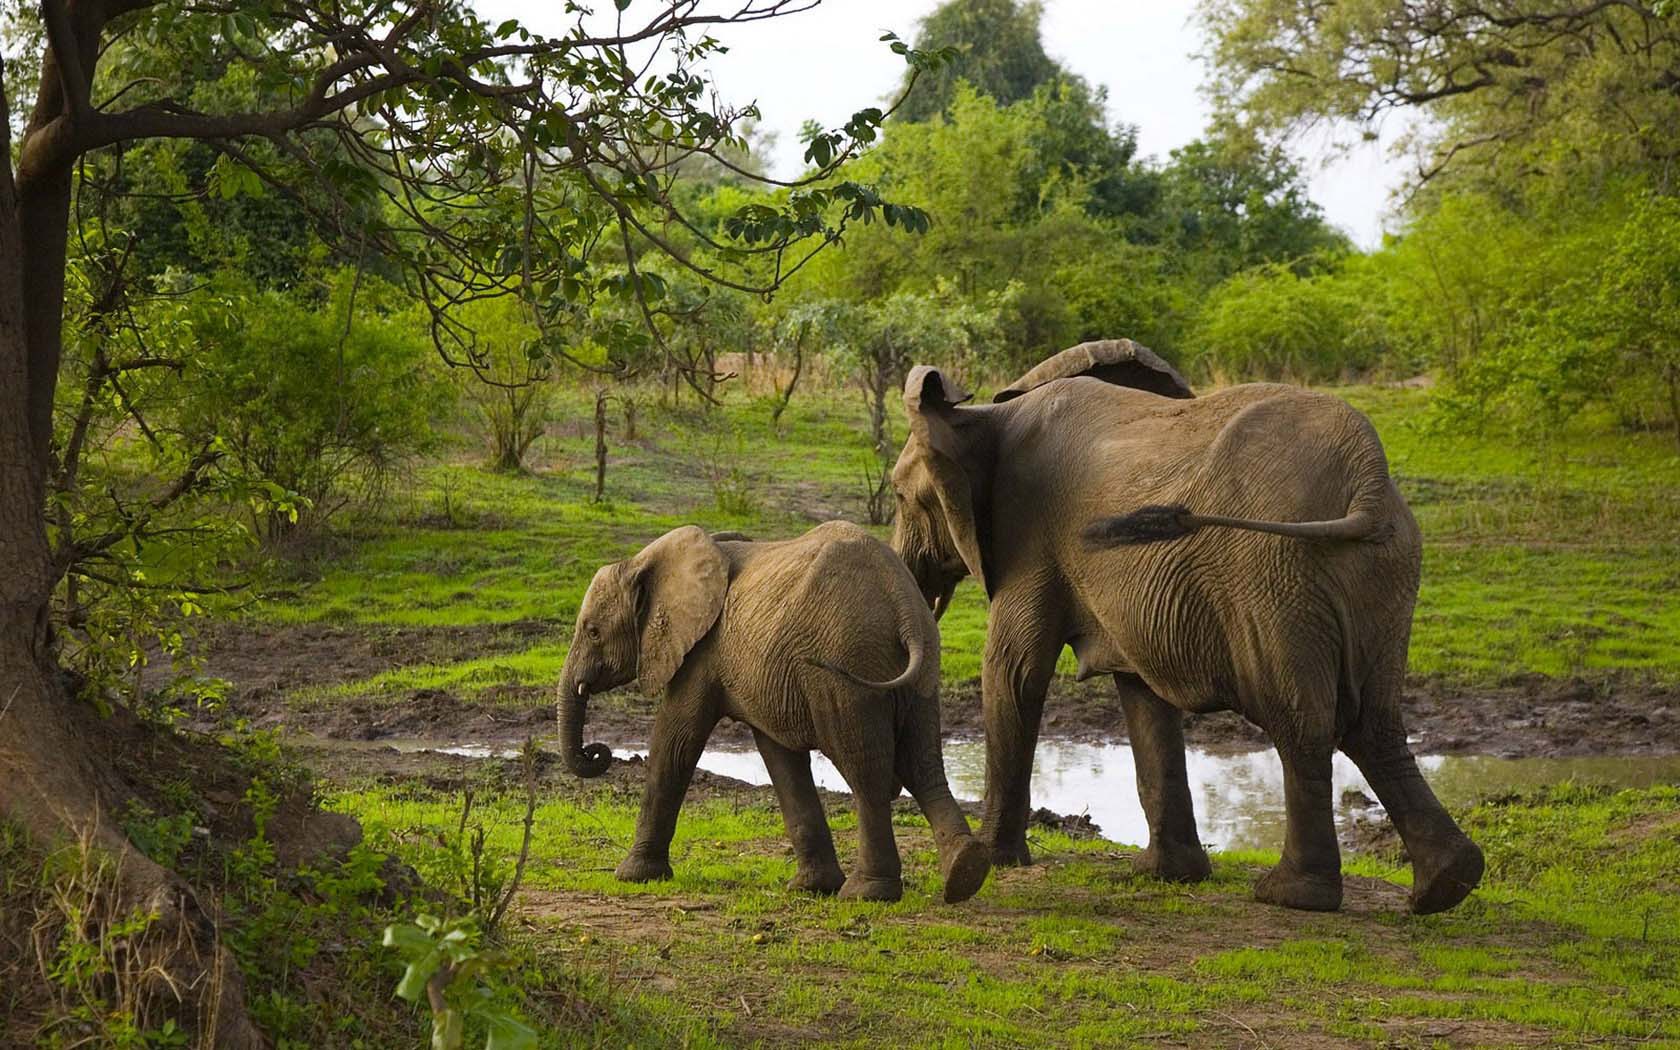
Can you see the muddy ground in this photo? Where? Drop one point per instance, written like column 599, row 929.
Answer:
column 1524, row 716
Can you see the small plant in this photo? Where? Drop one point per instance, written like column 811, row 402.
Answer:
column 445, row 965
column 732, row 486
column 444, row 959
column 877, row 490
column 161, row 838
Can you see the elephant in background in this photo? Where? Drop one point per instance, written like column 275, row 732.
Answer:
column 817, row 642
column 1245, row 551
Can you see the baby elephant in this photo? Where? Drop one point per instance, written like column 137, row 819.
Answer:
column 818, row 642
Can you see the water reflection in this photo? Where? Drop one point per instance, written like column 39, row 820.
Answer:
column 1238, row 796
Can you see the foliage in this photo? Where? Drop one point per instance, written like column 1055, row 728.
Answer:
column 444, row 963
column 1272, row 323
column 1527, row 336
column 320, row 402
column 1232, row 201
column 509, row 387
column 1637, row 315
column 1514, row 89
column 999, row 53
column 877, row 343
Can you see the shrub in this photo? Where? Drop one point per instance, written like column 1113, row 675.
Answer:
column 321, row 399
column 1271, row 323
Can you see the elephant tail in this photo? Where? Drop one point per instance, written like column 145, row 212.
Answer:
column 911, row 672
column 1158, row 523
column 914, row 642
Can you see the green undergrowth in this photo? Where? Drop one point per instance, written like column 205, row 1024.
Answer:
column 1574, row 938
column 1555, row 559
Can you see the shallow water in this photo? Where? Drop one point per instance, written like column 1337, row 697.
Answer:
column 1238, row 796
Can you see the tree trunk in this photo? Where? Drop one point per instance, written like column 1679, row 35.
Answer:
column 600, row 444
column 50, row 784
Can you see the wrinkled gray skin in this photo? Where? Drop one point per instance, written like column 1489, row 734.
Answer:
column 818, row 642
column 1187, row 605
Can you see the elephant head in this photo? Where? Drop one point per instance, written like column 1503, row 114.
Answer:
column 934, row 530
column 639, row 619
column 943, row 477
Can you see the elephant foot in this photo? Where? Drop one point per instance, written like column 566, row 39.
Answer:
column 1442, row 879
column 1173, row 862
column 637, row 868
column 964, row 870
column 1010, row 854
column 1285, row 886
column 861, row 888
column 824, row 881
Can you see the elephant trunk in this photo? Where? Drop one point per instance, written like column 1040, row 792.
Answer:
column 571, row 701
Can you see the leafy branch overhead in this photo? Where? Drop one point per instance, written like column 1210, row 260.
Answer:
column 483, row 158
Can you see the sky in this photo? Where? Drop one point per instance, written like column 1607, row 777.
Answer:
column 826, row 63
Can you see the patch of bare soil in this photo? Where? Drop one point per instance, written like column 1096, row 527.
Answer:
column 266, row 662
column 1525, row 716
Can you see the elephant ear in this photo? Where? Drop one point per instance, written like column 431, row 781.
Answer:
column 681, row 579
column 1118, row 361
column 930, row 402
column 928, row 387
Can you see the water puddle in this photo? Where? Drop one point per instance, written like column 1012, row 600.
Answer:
column 1238, row 796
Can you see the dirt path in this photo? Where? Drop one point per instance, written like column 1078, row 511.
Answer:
column 1526, row 716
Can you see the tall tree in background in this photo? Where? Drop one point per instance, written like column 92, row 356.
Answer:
column 502, row 161
column 1512, row 88
column 1232, row 201
column 999, row 52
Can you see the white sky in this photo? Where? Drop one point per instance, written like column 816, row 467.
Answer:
column 826, row 63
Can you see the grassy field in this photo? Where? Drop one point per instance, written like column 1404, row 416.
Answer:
column 1558, row 559
column 1574, row 940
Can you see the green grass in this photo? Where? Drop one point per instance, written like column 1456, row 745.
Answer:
column 1558, row 560
column 1575, row 936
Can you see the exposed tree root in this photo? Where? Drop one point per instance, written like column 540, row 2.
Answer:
column 148, row 944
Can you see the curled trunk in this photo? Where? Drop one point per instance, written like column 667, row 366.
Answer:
column 571, row 706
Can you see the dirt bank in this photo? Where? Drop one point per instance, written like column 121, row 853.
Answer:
column 1524, row 716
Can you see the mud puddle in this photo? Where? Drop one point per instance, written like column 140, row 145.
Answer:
column 271, row 666
column 1238, row 796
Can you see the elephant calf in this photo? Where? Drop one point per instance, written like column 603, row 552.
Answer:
column 787, row 637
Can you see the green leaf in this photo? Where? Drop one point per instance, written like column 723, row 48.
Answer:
column 412, row 987
column 506, row 1033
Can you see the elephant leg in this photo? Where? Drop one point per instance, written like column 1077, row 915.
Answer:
column 678, row 739
column 1156, row 729
column 802, row 813
column 879, row 874
column 1309, row 876
column 1020, row 657
column 1446, row 865
column 963, row 860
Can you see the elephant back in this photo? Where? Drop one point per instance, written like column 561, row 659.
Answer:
column 1118, row 361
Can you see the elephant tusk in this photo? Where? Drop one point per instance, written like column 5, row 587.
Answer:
column 582, row 691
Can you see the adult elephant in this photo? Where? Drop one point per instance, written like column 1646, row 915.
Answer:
column 1242, row 551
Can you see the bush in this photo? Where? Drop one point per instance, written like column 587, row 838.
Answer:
column 1271, row 323
column 510, row 389
column 323, row 399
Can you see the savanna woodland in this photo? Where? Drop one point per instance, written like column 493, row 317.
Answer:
column 343, row 341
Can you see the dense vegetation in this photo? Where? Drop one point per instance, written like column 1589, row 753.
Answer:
column 395, row 320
